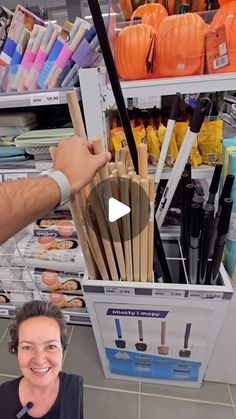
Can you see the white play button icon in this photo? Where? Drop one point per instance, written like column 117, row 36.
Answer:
column 116, row 209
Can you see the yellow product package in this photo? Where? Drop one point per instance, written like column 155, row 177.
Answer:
column 210, row 141
column 195, row 156
column 139, row 134
column 180, row 130
column 118, row 138
column 152, row 145
column 172, row 152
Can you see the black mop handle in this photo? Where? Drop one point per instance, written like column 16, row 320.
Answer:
column 114, row 79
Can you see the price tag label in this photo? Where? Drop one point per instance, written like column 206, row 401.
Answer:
column 119, row 291
column 14, row 176
column 169, row 293
column 0, row 178
column 67, row 317
column 4, row 312
column 44, row 98
column 206, row 295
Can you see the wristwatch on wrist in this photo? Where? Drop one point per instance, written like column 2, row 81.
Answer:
column 63, row 183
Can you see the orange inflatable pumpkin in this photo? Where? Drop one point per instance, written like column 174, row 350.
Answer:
column 126, row 8
column 151, row 13
column 132, row 50
column 181, row 45
column 226, row 15
column 222, row 2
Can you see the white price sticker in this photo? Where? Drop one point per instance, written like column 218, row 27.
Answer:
column 119, row 291
column 14, row 176
column 206, row 295
column 67, row 317
column 44, row 98
column 4, row 312
column 168, row 293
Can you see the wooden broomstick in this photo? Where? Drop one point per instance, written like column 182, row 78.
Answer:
column 81, row 210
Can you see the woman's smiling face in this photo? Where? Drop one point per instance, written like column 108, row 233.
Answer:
column 39, row 350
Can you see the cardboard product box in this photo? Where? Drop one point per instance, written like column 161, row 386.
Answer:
column 157, row 332
column 72, row 302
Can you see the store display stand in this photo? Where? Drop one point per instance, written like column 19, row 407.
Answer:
column 179, row 305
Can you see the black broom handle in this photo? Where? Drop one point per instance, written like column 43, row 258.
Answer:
column 114, row 79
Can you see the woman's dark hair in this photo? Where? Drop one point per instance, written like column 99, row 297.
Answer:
column 78, row 284
column 7, row 300
column 36, row 309
column 74, row 243
column 38, row 223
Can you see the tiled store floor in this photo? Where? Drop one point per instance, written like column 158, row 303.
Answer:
column 114, row 399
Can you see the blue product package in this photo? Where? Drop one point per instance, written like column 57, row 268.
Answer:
column 48, row 65
column 9, row 48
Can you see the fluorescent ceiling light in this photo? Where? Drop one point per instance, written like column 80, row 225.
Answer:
column 103, row 14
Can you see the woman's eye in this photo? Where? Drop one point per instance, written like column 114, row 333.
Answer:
column 52, row 347
column 26, row 348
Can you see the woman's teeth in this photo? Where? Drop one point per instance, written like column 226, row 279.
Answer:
column 40, row 370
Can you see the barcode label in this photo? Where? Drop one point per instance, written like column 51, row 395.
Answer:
column 4, row 312
column 223, row 48
column 119, row 291
column 169, row 293
column 211, row 157
column 67, row 317
column 221, row 62
column 205, row 295
column 14, row 176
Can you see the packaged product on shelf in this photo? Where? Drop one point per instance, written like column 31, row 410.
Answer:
column 55, row 227
column 47, row 43
column 153, row 145
column 16, row 298
column 183, row 36
column 210, row 141
column 80, row 27
column 222, row 40
column 180, row 130
column 5, row 20
column 53, row 55
column 21, row 18
column 195, row 156
column 16, row 279
column 51, row 280
column 172, row 152
column 64, row 301
column 36, row 36
column 49, row 252
column 46, row 138
column 135, row 48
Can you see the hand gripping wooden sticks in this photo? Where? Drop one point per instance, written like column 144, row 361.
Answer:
column 81, row 228
column 90, row 246
column 113, row 227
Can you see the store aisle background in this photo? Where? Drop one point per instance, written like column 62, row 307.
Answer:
column 115, row 399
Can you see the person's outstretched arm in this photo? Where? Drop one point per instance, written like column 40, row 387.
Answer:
column 23, row 201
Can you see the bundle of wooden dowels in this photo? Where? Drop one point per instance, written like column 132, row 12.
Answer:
column 110, row 249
